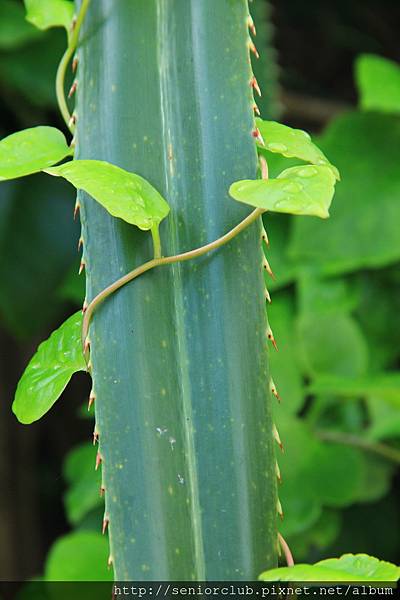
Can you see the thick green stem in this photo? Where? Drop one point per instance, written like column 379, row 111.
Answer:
column 179, row 359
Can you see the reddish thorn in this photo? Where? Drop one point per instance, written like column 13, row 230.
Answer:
column 274, row 343
column 253, row 49
column 257, row 135
column 102, row 491
column 255, row 86
column 84, row 307
column 99, row 460
column 256, row 109
column 86, row 345
column 75, row 64
column 73, row 89
column 286, row 550
column 106, row 521
column 95, row 437
column 76, row 209
column 251, row 26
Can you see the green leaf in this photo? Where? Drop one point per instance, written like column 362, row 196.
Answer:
column 378, row 82
column 30, row 151
column 49, row 371
column 123, row 194
column 50, row 13
column 349, row 567
column 305, row 190
column 84, row 483
column 382, row 385
column 292, row 143
column 80, row 556
column 14, row 30
column 363, row 229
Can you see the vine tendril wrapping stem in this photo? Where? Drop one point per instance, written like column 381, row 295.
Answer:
column 166, row 260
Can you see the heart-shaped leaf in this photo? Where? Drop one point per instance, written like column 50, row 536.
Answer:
column 305, row 190
column 123, row 194
column 49, row 371
column 349, row 567
column 378, row 82
column 292, row 143
column 31, row 150
column 50, row 13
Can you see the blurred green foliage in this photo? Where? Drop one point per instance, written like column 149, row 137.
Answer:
column 335, row 314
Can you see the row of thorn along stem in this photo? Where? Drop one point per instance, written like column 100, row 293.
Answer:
column 265, row 241
column 265, row 267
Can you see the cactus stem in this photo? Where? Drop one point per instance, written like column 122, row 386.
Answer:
column 255, row 86
column 286, row 550
column 99, row 460
column 106, row 521
column 277, row 437
column 72, row 90
column 273, row 389
column 76, row 209
column 250, row 25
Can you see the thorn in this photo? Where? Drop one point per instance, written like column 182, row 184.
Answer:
column 271, row 338
column 255, row 86
column 276, row 437
column 80, row 243
column 75, row 63
column 89, row 366
column 273, row 389
column 253, row 49
column 81, row 267
column 73, row 89
column 102, row 491
column 267, row 267
column 106, row 521
column 267, row 296
column 250, row 25
column 279, row 508
column 92, row 398
column 84, row 307
column 86, row 345
column 256, row 109
column 76, row 209
column 278, row 472
column 73, row 22
column 99, row 460
column 264, row 236
column 109, row 562
column 72, row 120
column 73, row 141
column 95, row 436
column 257, row 135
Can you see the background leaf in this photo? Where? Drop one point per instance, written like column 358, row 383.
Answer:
column 125, row 195
column 14, row 30
column 30, row 151
column 49, row 371
column 83, row 481
column 378, row 82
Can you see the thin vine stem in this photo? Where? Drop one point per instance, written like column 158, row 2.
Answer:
column 165, row 260
column 62, row 67
column 339, row 437
column 286, row 550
